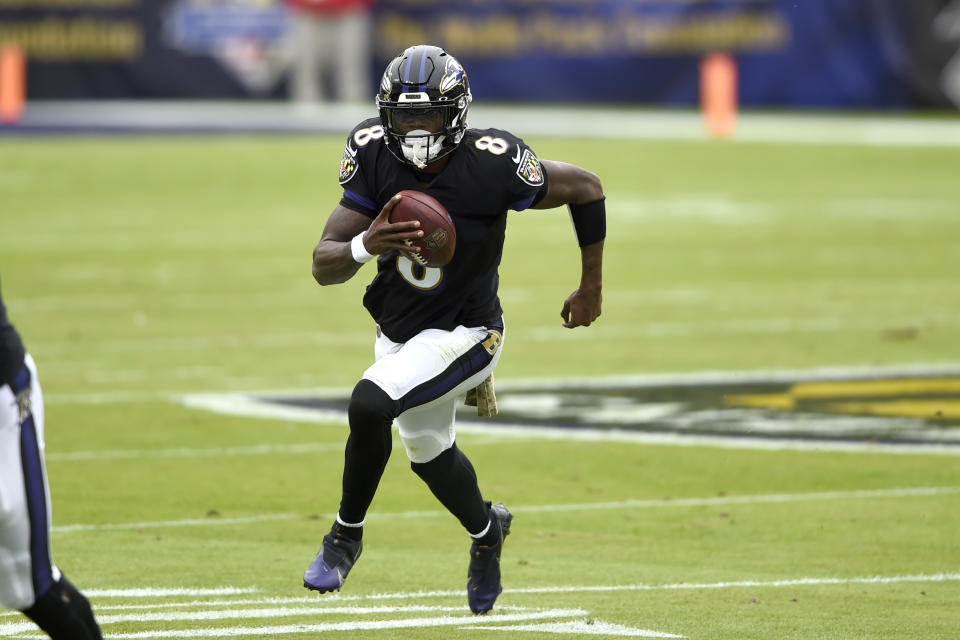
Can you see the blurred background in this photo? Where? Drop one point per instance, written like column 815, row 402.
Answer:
column 810, row 54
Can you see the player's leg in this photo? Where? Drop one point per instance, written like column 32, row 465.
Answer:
column 16, row 583
column 428, row 434
column 371, row 413
column 424, row 375
column 352, row 55
column 448, row 363
column 305, row 82
column 29, row 580
column 421, row 379
column 453, row 480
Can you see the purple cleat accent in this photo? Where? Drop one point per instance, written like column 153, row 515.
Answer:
column 329, row 569
column 483, row 577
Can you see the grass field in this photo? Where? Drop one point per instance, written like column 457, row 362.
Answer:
column 141, row 270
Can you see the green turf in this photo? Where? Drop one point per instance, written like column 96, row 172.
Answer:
column 139, row 268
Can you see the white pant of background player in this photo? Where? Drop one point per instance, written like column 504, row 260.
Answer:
column 427, row 429
column 25, row 561
column 331, row 50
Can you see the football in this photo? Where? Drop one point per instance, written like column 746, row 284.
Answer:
column 439, row 239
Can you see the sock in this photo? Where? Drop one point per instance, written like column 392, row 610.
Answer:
column 348, row 530
column 453, row 481
column 489, row 536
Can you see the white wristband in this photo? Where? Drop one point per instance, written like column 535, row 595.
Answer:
column 360, row 253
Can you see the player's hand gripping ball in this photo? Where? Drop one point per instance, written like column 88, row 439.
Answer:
column 439, row 235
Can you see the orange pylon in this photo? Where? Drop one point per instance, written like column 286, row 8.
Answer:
column 718, row 93
column 13, row 83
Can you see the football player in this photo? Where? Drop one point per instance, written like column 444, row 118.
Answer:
column 29, row 580
column 440, row 330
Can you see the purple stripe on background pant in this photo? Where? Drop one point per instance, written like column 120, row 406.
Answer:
column 33, row 479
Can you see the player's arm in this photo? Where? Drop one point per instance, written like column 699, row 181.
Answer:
column 351, row 239
column 581, row 191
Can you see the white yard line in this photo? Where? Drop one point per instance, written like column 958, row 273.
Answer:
column 188, row 452
column 274, row 612
column 898, row 492
column 579, row 628
column 155, row 592
column 398, row 623
column 353, row 625
column 206, row 522
column 680, row 586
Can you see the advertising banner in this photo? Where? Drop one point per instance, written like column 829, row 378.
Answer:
column 812, row 53
column 149, row 48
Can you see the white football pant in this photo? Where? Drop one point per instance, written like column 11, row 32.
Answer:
column 429, row 374
column 26, row 566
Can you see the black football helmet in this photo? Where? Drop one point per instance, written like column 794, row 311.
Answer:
column 423, row 101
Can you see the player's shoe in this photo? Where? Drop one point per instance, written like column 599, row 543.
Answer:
column 483, row 577
column 329, row 569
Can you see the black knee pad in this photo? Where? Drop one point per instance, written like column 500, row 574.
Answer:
column 371, row 410
column 64, row 613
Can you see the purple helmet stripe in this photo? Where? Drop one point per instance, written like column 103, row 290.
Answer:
column 418, row 55
column 423, row 76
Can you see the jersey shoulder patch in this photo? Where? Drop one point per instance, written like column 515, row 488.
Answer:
column 360, row 137
column 348, row 164
column 529, row 169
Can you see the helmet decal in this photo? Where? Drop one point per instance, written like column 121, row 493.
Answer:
column 385, row 81
column 453, row 75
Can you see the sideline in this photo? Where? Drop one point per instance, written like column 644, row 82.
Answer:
column 554, row 120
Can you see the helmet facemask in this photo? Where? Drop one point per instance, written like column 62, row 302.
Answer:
column 423, row 102
column 424, row 134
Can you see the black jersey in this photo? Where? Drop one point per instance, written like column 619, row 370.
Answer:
column 11, row 348
column 490, row 172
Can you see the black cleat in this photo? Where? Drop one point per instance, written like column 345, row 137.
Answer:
column 483, row 577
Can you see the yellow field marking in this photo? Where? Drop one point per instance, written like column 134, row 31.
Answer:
column 926, row 409
column 859, row 388
column 892, row 392
column 783, row 401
